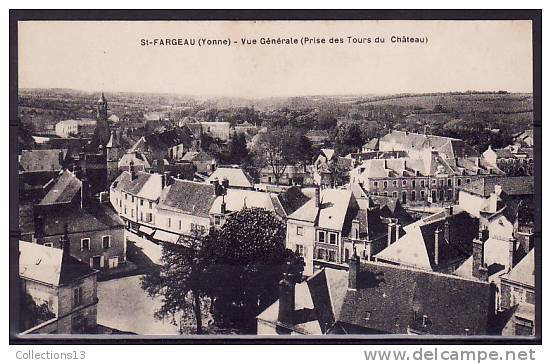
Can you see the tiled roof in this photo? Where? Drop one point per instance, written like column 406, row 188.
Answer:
column 197, row 156
column 97, row 217
column 125, row 183
column 373, row 144
column 236, row 177
column 292, row 199
column 188, row 197
column 237, row 199
column 48, row 265
column 523, row 272
column 512, row 186
column 42, row 160
column 449, row 147
column 387, row 297
column 64, row 189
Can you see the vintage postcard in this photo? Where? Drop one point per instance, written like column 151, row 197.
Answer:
column 262, row 178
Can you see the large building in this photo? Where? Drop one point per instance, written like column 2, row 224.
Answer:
column 75, row 127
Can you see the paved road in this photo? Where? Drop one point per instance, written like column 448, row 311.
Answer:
column 125, row 306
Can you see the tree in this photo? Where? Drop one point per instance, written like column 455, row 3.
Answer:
column 348, row 138
column 31, row 313
column 180, row 280
column 247, row 259
column 238, row 149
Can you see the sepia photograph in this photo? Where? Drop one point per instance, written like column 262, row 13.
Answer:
column 369, row 178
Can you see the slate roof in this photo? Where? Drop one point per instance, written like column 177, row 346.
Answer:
column 235, row 175
column 237, row 199
column 330, row 214
column 40, row 160
column 387, row 297
column 373, row 144
column 125, row 183
column 291, row 200
column 448, row 147
column 197, row 156
column 66, row 187
column 523, row 272
column 48, row 265
column 512, row 186
column 188, row 197
column 96, row 217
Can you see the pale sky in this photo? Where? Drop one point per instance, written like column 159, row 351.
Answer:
column 95, row 56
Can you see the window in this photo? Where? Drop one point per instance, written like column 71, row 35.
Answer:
column 321, row 236
column 217, row 220
column 433, row 181
column 150, row 204
column 404, row 182
column 385, row 184
column 376, row 184
column 331, row 256
column 530, row 297
column 413, row 196
column 395, row 183
column 77, row 296
column 468, row 180
column 126, row 196
column 459, row 182
column 180, row 224
column 395, row 194
column 120, row 203
column 132, row 198
column 131, row 212
column 385, row 193
column 413, row 183
column 449, row 182
column 148, row 217
column 300, row 249
column 141, row 216
column 141, row 201
column 299, row 230
column 49, row 245
column 422, row 183
column 85, row 244
column 106, row 241
column 321, row 254
column 332, row 238
column 125, row 210
column 422, row 195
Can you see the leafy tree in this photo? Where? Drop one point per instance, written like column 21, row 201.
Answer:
column 238, row 149
column 247, row 259
column 31, row 313
column 348, row 138
column 179, row 280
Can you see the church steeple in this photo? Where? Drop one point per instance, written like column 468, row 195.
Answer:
column 102, row 108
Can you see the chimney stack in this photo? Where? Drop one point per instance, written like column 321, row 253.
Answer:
column 286, row 298
column 167, row 179
column 318, row 197
column 480, row 270
column 437, row 241
column 512, row 248
column 450, row 210
column 223, row 205
column 390, row 233
column 447, row 236
column 132, row 171
column 353, row 270
column 397, row 231
column 64, row 242
column 225, row 183
column 38, row 225
column 84, row 193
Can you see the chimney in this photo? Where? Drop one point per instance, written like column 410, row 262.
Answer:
column 437, row 241
column 353, row 270
column 132, row 171
column 497, row 190
column 450, row 210
column 286, row 298
column 390, row 233
column 355, row 229
column 38, row 225
column 61, row 159
column 447, row 237
column 317, row 197
column 477, row 161
column 64, row 242
column 512, row 248
column 225, row 183
column 217, row 187
column 397, row 231
column 84, row 193
column 480, row 270
column 385, row 164
column 223, row 205
column 82, row 164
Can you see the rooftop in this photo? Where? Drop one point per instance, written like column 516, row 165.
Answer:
column 64, row 189
column 42, row 160
column 235, row 175
column 188, row 197
column 48, row 265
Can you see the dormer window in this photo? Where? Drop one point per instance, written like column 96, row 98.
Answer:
column 467, row 332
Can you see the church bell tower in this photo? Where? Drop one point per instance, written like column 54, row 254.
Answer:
column 102, row 108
